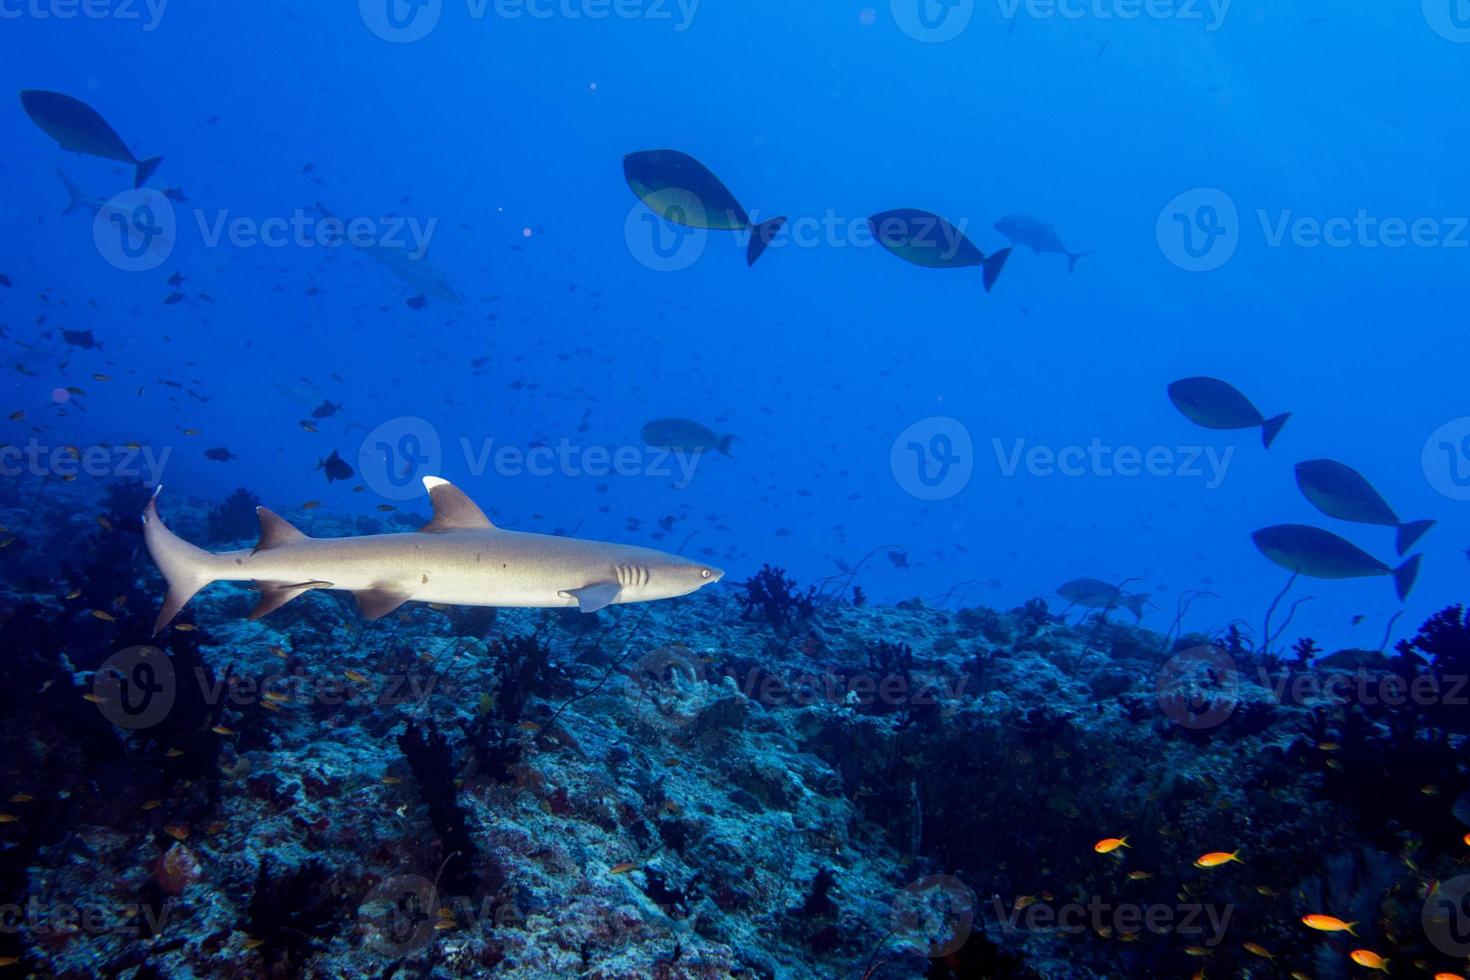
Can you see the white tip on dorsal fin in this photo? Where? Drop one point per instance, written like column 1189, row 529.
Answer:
column 453, row 511
column 275, row 530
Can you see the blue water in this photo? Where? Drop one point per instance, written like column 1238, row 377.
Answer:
column 507, row 133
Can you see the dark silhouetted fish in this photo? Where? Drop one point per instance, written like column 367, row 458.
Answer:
column 680, row 189
column 1215, row 404
column 1091, row 593
column 77, row 126
column 928, row 240
column 325, row 410
column 1316, row 553
column 81, row 338
column 685, row 436
column 1037, row 235
column 336, row 467
column 1340, row 491
column 220, row 454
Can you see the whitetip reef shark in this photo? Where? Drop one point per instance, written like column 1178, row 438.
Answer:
column 459, row 558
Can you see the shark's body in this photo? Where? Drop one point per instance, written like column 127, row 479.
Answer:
column 414, row 270
column 459, row 558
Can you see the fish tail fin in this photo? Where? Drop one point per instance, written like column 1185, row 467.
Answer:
column 992, row 266
column 1072, row 258
column 1404, row 576
column 1412, row 532
column 761, row 236
column 1272, row 427
column 1135, row 604
column 185, row 568
column 145, row 170
column 725, row 442
column 73, row 191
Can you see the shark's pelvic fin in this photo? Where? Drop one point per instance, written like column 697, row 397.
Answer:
column 453, row 511
column 274, row 595
column 598, row 595
column 275, row 530
column 377, row 603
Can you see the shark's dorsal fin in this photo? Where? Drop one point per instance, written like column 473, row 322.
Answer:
column 275, row 530
column 453, row 511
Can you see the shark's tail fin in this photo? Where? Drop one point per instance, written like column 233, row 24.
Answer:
column 1271, row 427
column 761, row 236
column 1411, row 532
column 1135, row 604
column 185, row 568
column 145, row 170
column 73, row 191
column 992, row 264
column 1072, row 258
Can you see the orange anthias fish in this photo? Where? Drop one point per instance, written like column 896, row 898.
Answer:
column 1110, row 844
column 1368, row 958
column 1216, row 858
column 1328, row 923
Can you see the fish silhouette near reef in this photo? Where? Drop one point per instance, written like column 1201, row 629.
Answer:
column 679, row 188
column 78, row 127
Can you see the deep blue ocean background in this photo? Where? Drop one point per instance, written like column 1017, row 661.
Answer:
column 509, row 132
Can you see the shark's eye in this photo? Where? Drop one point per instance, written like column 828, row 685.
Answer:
column 704, row 573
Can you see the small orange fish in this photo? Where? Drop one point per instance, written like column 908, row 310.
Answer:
column 9, row 818
column 391, row 780
column 1368, row 958
column 222, row 730
column 177, row 831
column 1328, row 923
column 1110, row 844
column 1466, row 839
column 253, row 943
column 152, row 804
column 104, row 615
column 9, row 960
column 279, row 652
column 95, row 699
column 174, row 753
column 185, row 627
column 1257, row 949
column 21, row 798
column 1448, row 976
column 1216, row 858
column 1139, row 876
column 621, row 868
column 104, row 523
column 74, row 593
column 356, row 677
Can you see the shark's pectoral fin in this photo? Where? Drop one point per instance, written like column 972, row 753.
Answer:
column 377, row 603
column 274, row 595
column 453, row 511
column 591, row 598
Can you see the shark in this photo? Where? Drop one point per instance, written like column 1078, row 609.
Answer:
column 459, row 558
column 400, row 260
